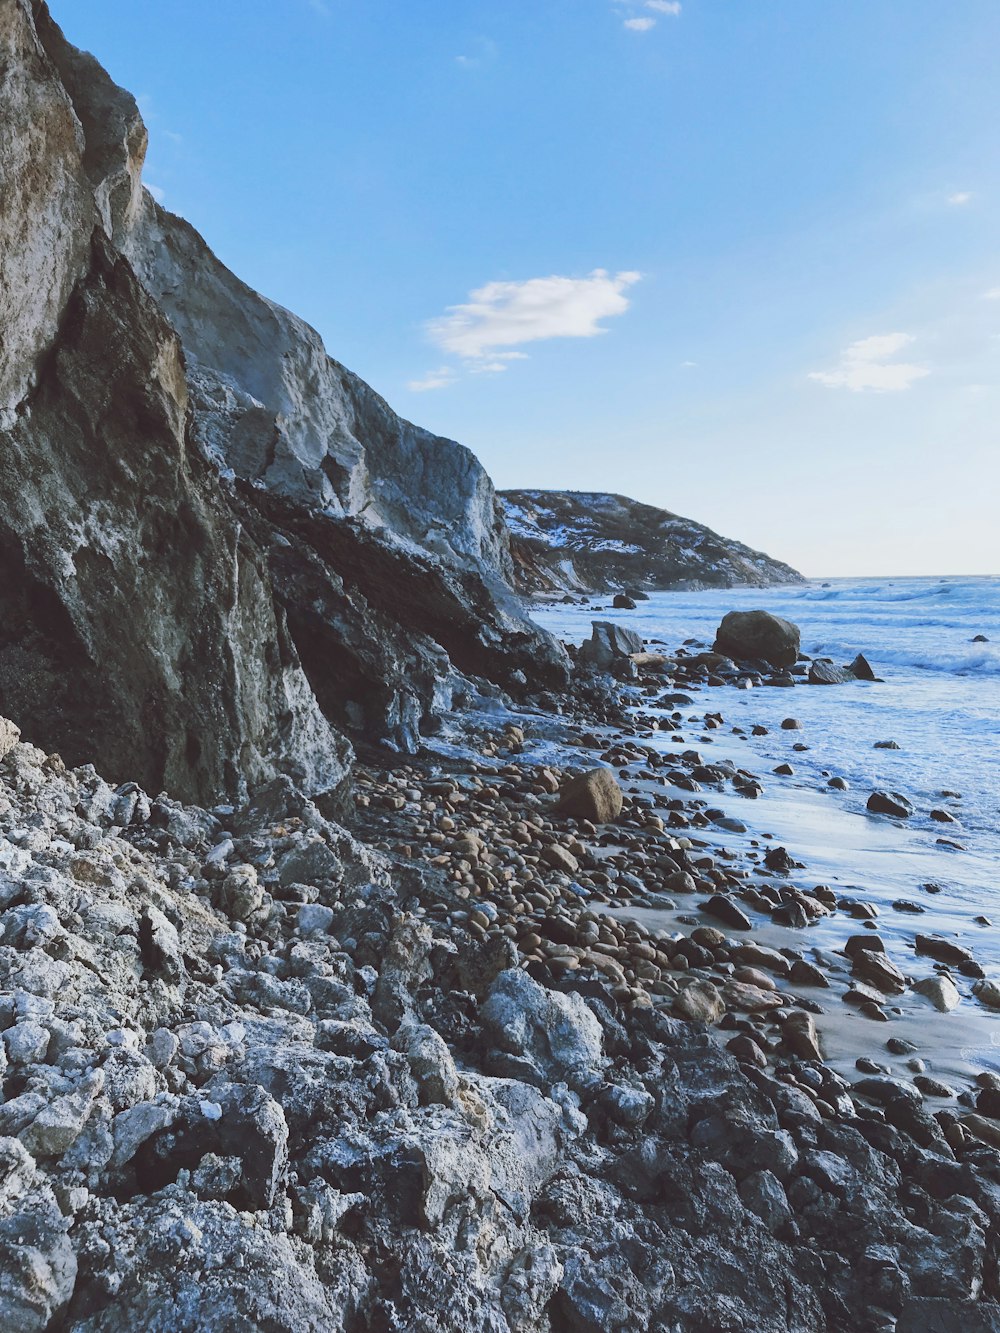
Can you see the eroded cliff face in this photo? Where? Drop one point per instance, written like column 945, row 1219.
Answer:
column 215, row 541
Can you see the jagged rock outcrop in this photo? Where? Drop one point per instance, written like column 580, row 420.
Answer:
column 586, row 541
column 215, row 541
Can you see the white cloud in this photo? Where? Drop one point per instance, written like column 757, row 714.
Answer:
column 866, row 364
column 671, row 7
column 959, row 198
column 640, row 25
column 441, row 378
column 509, row 314
column 157, row 191
column 992, row 295
column 688, row 365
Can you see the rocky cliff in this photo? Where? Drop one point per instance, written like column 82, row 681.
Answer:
column 585, row 541
column 218, row 547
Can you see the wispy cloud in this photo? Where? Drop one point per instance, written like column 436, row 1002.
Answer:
column 157, row 191
column 505, row 315
column 868, row 365
column 484, row 51
column 434, row 379
column 643, row 22
column 959, row 198
column 992, row 295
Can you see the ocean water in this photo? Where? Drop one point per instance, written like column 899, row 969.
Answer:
column 939, row 700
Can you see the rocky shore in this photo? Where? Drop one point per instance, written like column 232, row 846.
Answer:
column 477, row 1033
column 430, row 1070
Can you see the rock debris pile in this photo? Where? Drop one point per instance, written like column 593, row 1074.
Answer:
column 257, row 1075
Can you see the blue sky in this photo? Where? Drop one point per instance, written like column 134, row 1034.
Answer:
column 739, row 258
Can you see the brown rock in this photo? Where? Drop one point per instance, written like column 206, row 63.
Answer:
column 560, row 859
column 740, row 995
column 800, row 1036
column 940, row 990
column 700, row 1002
column 594, row 795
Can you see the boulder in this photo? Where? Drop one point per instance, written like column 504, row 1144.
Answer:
column 594, row 795
column 9, row 736
column 609, row 643
column 940, row 990
column 861, row 668
column 623, row 602
column 800, row 1036
column 942, row 950
column 699, row 1002
column 560, row 859
column 889, row 803
column 726, row 911
column 37, row 1270
column 758, row 636
column 880, row 971
column 825, row 673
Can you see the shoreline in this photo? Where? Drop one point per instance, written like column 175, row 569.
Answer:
column 953, row 1045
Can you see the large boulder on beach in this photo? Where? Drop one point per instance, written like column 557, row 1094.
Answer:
column 609, row 642
column 594, row 795
column 758, row 636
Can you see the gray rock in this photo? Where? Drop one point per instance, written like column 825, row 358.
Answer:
column 826, row 673
column 133, row 1126
column 608, row 643
column 315, row 919
column 765, row 1196
column 59, row 1125
column 26, row 1042
column 545, row 1036
column 37, row 1270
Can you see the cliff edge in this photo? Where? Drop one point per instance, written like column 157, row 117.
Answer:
column 219, row 549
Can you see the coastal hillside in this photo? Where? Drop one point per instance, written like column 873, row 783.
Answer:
column 219, row 549
column 587, row 541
